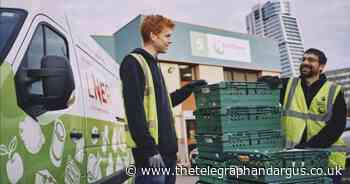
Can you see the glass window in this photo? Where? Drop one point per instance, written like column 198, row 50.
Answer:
column 35, row 52
column 55, row 44
column 32, row 58
column 10, row 23
column 186, row 72
column 43, row 43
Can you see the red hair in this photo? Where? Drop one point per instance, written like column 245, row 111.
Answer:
column 154, row 24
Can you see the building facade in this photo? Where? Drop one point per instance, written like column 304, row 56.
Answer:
column 199, row 52
column 342, row 77
column 274, row 20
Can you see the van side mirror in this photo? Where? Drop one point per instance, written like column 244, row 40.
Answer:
column 57, row 81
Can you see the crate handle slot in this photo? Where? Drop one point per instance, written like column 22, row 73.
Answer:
column 205, row 90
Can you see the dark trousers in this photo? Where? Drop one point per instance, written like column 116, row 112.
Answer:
column 170, row 178
column 336, row 179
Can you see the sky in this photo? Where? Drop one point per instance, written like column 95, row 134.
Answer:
column 324, row 24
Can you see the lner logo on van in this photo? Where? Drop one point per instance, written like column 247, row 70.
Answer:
column 98, row 90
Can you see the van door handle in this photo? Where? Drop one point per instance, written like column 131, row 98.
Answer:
column 120, row 119
column 95, row 135
column 76, row 135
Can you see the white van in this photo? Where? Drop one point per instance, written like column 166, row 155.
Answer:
column 61, row 108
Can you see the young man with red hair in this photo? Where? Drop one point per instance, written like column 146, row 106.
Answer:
column 148, row 104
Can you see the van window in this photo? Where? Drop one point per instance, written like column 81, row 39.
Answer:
column 35, row 50
column 11, row 21
column 45, row 42
column 55, row 44
column 33, row 56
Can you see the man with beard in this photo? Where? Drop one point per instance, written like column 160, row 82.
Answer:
column 314, row 109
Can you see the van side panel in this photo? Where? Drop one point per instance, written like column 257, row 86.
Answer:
column 12, row 161
column 26, row 145
column 105, row 120
column 104, row 108
column 38, row 150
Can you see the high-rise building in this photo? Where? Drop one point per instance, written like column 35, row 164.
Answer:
column 341, row 77
column 275, row 20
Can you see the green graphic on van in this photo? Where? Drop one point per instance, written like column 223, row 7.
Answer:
column 47, row 149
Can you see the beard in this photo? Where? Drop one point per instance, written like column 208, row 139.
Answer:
column 307, row 71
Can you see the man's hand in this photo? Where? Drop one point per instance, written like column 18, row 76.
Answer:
column 195, row 84
column 272, row 82
column 156, row 161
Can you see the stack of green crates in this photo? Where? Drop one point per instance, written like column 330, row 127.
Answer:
column 233, row 116
column 238, row 124
column 297, row 164
column 215, row 180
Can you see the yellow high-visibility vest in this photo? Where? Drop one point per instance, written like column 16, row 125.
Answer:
column 297, row 116
column 149, row 103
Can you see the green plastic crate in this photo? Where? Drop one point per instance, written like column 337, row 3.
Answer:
column 215, row 180
column 283, row 159
column 228, row 93
column 228, row 119
column 221, row 156
column 219, row 178
column 242, row 140
column 306, row 159
column 202, row 162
